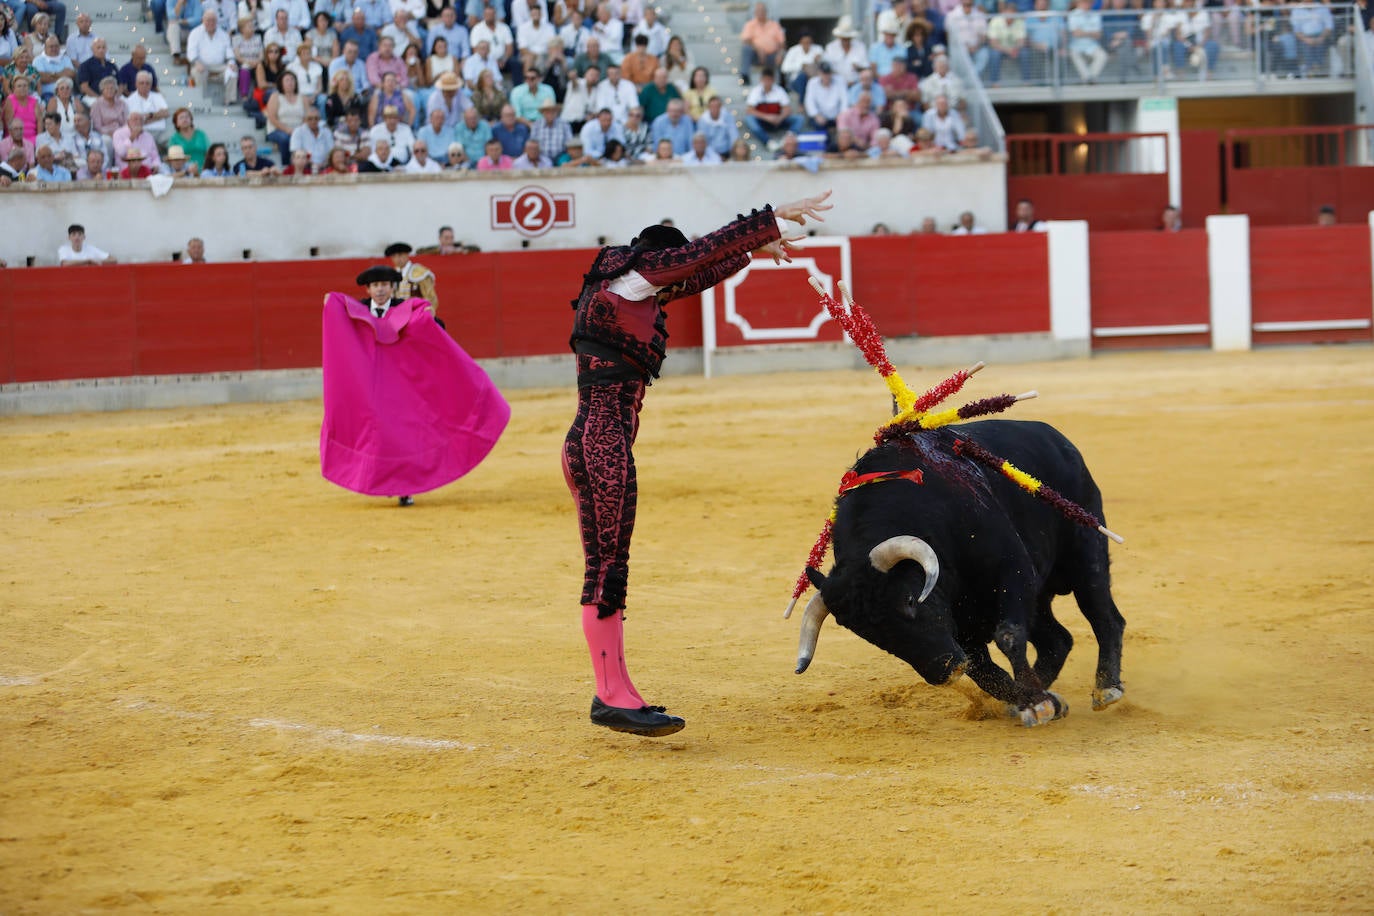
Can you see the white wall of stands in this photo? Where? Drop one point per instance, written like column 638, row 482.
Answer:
column 356, row 216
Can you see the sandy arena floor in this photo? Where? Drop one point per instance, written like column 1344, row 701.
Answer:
column 230, row 686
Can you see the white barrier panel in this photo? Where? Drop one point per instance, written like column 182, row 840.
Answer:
column 1070, row 282
column 358, row 215
column 1228, row 270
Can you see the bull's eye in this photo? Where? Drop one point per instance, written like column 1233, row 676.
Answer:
column 909, row 607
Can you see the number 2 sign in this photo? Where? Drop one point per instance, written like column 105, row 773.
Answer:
column 532, row 211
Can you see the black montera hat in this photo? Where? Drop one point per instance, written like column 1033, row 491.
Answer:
column 379, row 275
column 397, row 248
column 657, row 237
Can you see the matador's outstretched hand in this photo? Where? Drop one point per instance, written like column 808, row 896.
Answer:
column 795, row 212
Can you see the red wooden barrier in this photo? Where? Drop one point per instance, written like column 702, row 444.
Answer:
column 1310, row 274
column 1113, row 181
column 1284, row 175
column 1144, row 279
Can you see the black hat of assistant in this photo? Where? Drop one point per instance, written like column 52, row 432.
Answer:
column 657, row 237
column 397, row 248
column 379, row 274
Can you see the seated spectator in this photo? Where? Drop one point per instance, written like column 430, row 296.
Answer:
column 109, row 113
column 573, row 33
column 943, row 83
column 1120, row 34
column 557, row 68
column 845, row 52
column 216, row 164
column 78, row 46
column 473, row 134
column 762, row 43
column 282, row 33
column 285, row 112
column 654, row 97
column 719, row 127
column 967, row 226
column 1044, row 39
column 502, row 41
column 360, row 33
column 87, row 138
column 925, row 146
column 78, row 252
column 436, row 135
column 886, row 50
column 1085, row 41
column 663, row 154
column 397, row 134
column 22, row 67
column 615, row 157
column 1171, row 221
column 510, row 132
column 768, row 110
column 968, row 24
column 383, row 61
column 597, row 132
column 944, row 123
column 133, row 136
column 440, row 63
column 148, row 103
column 309, row 74
column 801, row 63
column 184, row 17
column 700, row 152
column 94, row 167
column 493, row 158
column 15, row 140
column 551, row 131
column 481, row 61
column 636, row 131
column 390, row 95
column 265, row 80
column 458, row 160
column 532, row 158
column 323, row 39
column 882, row 147
column 315, row 139
column 488, row 98
column 450, row 98
column 616, row 93
column 699, row 93
column 929, row 226
column 176, row 165
column 574, row 157
column 529, row 95
column 65, row 105
column 740, row 152
column 899, row 120
column 93, row 71
column 23, row 106
column 678, row 62
column 867, row 83
column 48, row 169
column 379, row 160
column 639, row 65
column 300, row 165
column 653, row 31
column 343, row 95
column 970, row 142
column 138, row 63
column 1007, row 41
column 338, row 163
column 403, row 32
column 675, row 126
column 350, row 62
column 453, row 33
column 825, row 98
column 351, row 137
column 135, row 165
column 900, row 83
column 251, row 161
column 52, row 65
column 62, row 145
column 257, row 12
column 533, row 36
column 577, row 99
column 211, row 56
column 593, row 56
column 860, row 120
column 13, row 168
column 421, row 163
column 608, row 29
column 846, row 147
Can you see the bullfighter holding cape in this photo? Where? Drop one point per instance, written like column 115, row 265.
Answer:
column 406, row 410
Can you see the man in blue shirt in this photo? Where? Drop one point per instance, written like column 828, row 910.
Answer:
column 365, row 35
column 674, row 125
column 47, row 168
column 1313, row 27
column 452, row 31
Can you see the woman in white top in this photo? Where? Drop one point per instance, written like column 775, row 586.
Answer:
column 285, row 112
column 677, row 60
column 65, row 106
column 440, row 61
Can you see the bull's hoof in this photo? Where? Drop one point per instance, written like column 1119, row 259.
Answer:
column 1106, row 696
column 1047, row 710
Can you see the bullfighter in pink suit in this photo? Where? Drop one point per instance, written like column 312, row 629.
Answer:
column 405, row 409
column 620, row 336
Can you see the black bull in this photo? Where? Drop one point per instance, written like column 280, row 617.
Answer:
column 934, row 572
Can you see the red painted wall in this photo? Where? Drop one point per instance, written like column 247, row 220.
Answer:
column 1310, row 273
column 1149, row 278
column 1292, row 196
column 1107, row 202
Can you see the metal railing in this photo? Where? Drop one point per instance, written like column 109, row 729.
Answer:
column 976, row 106
column 1298, row 147
column 1088, row 154
column 1158, row 46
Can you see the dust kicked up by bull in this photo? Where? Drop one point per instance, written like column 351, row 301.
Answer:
column 938, row 552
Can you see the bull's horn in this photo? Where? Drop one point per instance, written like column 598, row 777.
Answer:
column 905, row 547
column 812, row 618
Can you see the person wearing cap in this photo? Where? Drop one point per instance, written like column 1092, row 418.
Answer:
column 845, row 52
column 450, row 97
column 416, row 281
column 176, row 165
column 888, row 48
column 551, row 132
column 395, row 132
column 405, row 409
column 575, row 156
column 619, row 339
column 134, row 165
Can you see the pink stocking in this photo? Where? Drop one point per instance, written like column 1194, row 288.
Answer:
column 606, row 644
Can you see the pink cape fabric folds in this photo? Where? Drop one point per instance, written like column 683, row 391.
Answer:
column 405, row 409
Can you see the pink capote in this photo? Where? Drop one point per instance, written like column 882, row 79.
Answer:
column 405, row 409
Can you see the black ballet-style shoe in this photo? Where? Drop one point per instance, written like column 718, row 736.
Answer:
column 405, row 501
column 648, row 721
